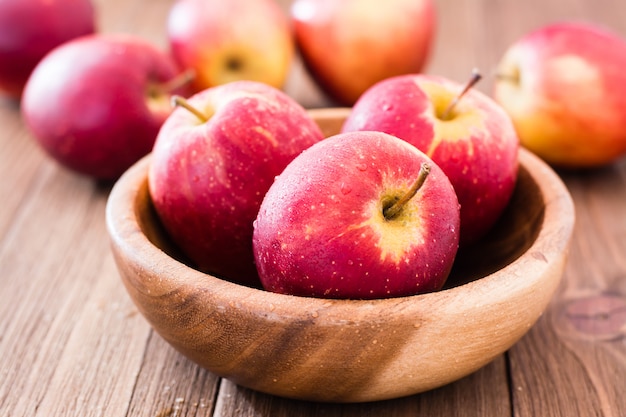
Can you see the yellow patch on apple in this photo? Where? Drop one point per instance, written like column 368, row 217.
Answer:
column 572, row 68
column 393, row 239
column 550, row 112
column 160, row 103
column 267, row 134
column 456, row 124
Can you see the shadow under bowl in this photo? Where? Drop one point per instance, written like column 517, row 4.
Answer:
column 350, row 350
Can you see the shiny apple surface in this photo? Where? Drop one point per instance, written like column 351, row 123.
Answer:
column 350, row 350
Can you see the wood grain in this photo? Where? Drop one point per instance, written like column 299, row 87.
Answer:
column 463, row 398
column 72, row 343
column 349, row 350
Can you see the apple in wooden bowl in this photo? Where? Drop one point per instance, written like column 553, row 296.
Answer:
column 341, row 350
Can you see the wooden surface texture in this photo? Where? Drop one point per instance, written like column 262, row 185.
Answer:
column 73, row 344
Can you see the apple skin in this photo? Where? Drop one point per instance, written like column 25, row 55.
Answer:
column 321, row 232
column 207, row 179
column 225, row 41
column 93, row 105
column 347, row 46
column 29, row 29
column 477, row 149
column 563, row 86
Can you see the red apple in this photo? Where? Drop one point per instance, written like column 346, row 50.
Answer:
column 29, row 29
column 232, row 40
column 357, row 216
column 475, row 143
column 96, row 103
column 350, row 45
column 210, row 170
column 562, row 86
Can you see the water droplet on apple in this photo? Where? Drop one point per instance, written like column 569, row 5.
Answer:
column 362, row 167
column 387, row 107
column 345, row 189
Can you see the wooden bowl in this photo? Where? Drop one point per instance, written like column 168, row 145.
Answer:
column 350, row 350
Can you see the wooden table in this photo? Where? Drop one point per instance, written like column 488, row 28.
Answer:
column 73, row 344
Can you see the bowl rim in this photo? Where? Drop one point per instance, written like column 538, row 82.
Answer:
column 195, row 312
column 125, row 233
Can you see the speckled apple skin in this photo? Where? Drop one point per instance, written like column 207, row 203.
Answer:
column 321, row 231
column 477, row 150
column 563, row 86
column 207, row 180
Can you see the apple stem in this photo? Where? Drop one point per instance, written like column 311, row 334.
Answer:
column 475, row 77
column 182, row 102
column 395, row 209
column 176, row 82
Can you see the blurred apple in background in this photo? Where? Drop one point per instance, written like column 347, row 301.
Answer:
column 474, row 141
column 359, row 215
column 349, row 45
column 214, row 160
column 96, row 103
column 29, row 29
column 225, row 41
column 564, row 86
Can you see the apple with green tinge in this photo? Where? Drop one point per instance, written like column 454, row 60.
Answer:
column 562, row 86
column 29, row 29
column 214, row 159
column 473, row 141
column 360, row 215
column 96, row 103
column 225, row 41
column 347, row 46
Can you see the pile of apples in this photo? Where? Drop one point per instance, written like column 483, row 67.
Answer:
column 248, row 188
column 111, row 91
column 95, row 101
column 242, row 177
